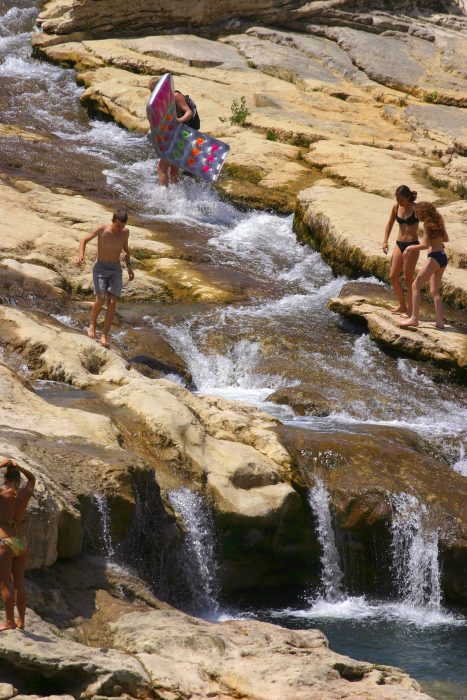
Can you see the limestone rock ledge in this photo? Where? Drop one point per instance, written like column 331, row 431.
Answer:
column 446, row 347
column 176, row 656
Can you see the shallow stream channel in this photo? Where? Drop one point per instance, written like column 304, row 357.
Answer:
column 278, row 334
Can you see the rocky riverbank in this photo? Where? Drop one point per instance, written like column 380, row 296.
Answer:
column 334, row 122
column 332, row 127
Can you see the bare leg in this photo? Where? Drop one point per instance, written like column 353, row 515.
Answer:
column 410, row 262
column 174, row 174
column 19, row 567
column 163, row 172
column 6, row 586
column 435, row 284
column 109, row 316
column 396, row 267
column 423, row 276
column 96, row 307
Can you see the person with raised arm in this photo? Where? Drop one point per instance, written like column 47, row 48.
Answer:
column 14, row 501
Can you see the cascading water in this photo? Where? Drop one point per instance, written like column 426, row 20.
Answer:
column 200, row 549
column 294, row 315
column 103, row 509
column 331, row 575
column 415, row 553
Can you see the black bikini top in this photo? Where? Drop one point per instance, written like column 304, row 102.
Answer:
column 410, row 220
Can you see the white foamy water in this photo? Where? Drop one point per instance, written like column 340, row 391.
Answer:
column 415, row 554
column 103, row 509
column 331, row 574
column 359, row 608
column 200, row 549
column 231, row 374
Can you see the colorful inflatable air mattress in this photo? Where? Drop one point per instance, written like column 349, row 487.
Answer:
column 191, row 150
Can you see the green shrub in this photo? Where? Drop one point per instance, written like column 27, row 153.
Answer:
column 271, row 135
column 239, row 112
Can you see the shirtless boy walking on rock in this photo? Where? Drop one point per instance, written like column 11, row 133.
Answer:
column 112, row 239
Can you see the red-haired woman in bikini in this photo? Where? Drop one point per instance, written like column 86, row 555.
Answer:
column 434, row 238
column 403, row 212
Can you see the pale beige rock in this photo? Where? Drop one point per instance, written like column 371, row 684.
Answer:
column 59, row 353
column 45, row 649
column 448, row 346
column 13, row 131
column 208, row 441
column 251, row 659
column 369, row 169
column 38, row 415
column 7, row 691
column 38, row 272
column 50, row 225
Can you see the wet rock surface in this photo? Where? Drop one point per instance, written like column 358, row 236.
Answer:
column 109, row 447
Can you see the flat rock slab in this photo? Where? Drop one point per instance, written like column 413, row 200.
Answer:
column 43, row 649
column 251, row 659
column 447, row 347
column 441, row 123
column 189, row 49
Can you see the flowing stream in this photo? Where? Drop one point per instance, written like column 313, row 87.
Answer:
column 279, row 335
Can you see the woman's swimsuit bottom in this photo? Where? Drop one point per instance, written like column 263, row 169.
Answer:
column 16, row 544
column 402, row 245
column 440, row 257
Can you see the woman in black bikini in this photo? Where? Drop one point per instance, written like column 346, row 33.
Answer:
column 403, row 213
column 434, row 237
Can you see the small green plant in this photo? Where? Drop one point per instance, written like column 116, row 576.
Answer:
column 431, row 96
column 239, row 112
column 251, row 64
column 271, row 135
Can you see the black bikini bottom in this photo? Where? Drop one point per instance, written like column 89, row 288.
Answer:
column 440, row 257
column 402, row 245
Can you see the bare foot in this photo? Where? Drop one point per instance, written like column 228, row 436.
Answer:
column 92, row 332
column 409, row 322
column 20, row 624
column 7, row 626
column 104, row 342
column 398, row 310
column 440, row 326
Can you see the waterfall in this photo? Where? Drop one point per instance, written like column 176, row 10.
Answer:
column 200, row 548
column 331, row 576
column 415, row 553
column 103, row 509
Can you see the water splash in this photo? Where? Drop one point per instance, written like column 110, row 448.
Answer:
column 200, row 546
column 331, row 575
column 106, row 524
column 415, row 553
column 232, row 374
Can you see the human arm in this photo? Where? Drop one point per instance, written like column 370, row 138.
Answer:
column 388, row 229
column 29, row 476
column 419, row 246
column 84, row 241
column 184, row 107
column 127, row 259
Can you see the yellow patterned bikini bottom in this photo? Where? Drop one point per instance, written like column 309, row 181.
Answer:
column 16, row 544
